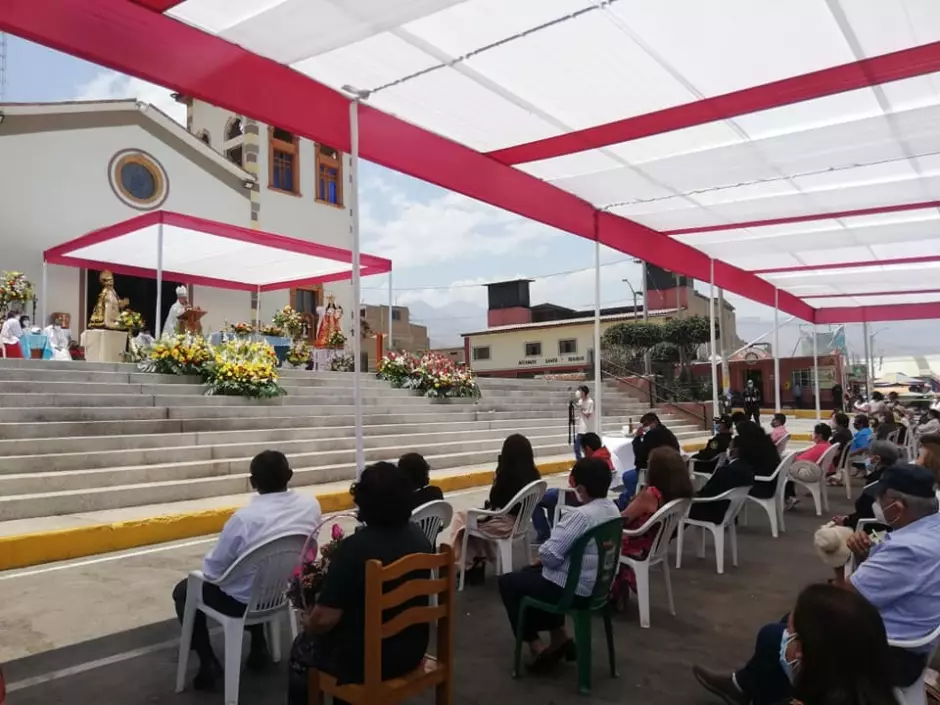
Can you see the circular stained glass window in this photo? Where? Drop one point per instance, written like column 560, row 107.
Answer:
column 138, row 180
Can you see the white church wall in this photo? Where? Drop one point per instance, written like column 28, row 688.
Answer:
column 56, row 188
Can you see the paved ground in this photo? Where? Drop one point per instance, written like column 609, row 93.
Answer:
column 100, row 630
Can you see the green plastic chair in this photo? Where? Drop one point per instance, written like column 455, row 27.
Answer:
column 608, row 538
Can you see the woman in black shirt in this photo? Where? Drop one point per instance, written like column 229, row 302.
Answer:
column 334, row 629
column 419, row 473
column 755, row 449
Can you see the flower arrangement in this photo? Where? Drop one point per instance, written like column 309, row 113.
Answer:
column 243, row 368
column 342, row 363
column 14, row 287
column 299, row 354
column 182, row 354
column 336, row 340
column 435, row 375
column 131, row 320
column 289, row 321
column 241, row 328
column 308, row 581
column 272, row 330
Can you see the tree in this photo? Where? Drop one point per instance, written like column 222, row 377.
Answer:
column 634, row 335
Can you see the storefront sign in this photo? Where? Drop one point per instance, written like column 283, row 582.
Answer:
column 566, row 360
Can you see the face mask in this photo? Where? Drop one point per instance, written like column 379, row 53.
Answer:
column 786, row 665
column 879, row 513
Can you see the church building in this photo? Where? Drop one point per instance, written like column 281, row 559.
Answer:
column 74, row 167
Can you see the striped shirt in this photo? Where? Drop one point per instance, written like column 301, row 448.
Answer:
column 574, row 523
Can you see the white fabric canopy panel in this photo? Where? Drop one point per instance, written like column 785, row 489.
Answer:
column 196, row 251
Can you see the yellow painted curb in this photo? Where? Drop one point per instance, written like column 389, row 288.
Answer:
column 795, row 413
column 50, row 546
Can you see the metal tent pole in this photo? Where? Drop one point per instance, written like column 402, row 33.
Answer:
column 597, row 332
column 711, row 326
column 45, row 282
column 156, row 322
column 776, row 350
column 388, row 342
column 816, row 375
column 353, row 200
column 258, row 308
column 869, row 374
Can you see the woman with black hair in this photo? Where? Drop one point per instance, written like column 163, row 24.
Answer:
column 755, row 448
column 515, row 468
column 333, row 637
column 419, row 473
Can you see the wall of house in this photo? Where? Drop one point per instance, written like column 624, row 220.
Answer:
column 56, row 187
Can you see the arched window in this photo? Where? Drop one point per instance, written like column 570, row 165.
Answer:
column 234, row 129
column 283, row 167
column 329, row 175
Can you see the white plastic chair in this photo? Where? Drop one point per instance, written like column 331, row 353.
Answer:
column 844, row 469
column 915, row 694
column 781, row 444
column 271, row 563
column 773, row 505
column 819, row 488
column 667, row 518
column 561, row 505
column 736, row 498
column 432, row 517
column 525, row 500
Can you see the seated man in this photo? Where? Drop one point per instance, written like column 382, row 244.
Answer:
column 545, row 581
column 591, row 447
column 707, row 458
column 778, row 428
column 737, row 418
column 821, row 435
column 650, row 435
column 901, row 578
column 736, row 473
column 840, row 430
column 861, row 441
column 275, row 510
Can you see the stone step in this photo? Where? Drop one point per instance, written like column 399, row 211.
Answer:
column 61, row 502
column 88, row 453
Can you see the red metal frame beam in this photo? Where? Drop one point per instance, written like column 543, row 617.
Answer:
column 848, row 265
column 907, row 63
column 872, row 293
column 128, row 38
column 874, row 314
column 877, row 210
column 158, row 5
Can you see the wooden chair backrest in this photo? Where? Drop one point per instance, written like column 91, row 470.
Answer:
column 379, row 601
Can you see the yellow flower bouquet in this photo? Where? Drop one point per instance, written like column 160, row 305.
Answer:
column 184, row 354
column 243, row 368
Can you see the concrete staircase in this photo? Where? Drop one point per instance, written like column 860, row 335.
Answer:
column 90, row 437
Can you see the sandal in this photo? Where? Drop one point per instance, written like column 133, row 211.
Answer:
column 546, row 661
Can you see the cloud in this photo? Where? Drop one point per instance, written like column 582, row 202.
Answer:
column 110, row 85
column 443, row 227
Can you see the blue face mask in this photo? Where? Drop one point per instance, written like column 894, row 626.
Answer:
column 785, row 665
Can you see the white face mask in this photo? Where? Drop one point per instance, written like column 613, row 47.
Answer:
column 879, row 513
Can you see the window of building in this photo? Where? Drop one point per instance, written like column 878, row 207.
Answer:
column 138, row 179
column 329, row 175
column 396, row 314
column 233, row 141
column 533, row 349
column 481, row 353
column 283, row 167
column 804, row 378
column 568, row 347
column 234, row 129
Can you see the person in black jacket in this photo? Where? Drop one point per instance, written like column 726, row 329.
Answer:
column 882, row 454
column 650, row 435
column 752, row 400
column 736, row 473
column 756, row 449
column 419, row 473
column 707, row 458
column 840, row 430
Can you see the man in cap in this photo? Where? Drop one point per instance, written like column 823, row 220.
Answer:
column 900, row 576
column 176, row 310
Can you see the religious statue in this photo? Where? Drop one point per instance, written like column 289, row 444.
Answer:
column 171, row 327
column 108, row 307
column 331, row 321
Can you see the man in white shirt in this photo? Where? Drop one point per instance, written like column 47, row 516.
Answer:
column 584, row 416
column 275, row 510
column 10, row 334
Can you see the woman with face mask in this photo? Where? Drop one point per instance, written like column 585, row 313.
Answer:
column 832, row 640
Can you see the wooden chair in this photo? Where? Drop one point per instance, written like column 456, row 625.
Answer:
column 434, row 672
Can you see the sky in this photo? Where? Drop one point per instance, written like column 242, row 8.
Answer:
column 443, row 246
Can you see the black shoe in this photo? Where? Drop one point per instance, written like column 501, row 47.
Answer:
column 476, row 575
column 209, row 673
column 721, row 685
column 259, row 657
column 546, row 661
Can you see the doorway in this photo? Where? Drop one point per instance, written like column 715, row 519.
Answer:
column 305, row 300
column 140, row 291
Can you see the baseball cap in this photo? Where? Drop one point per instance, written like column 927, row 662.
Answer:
column 905, row 478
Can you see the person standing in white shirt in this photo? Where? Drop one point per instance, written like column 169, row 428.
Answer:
column 584, row 415
column 10, row 334
column 275, row 510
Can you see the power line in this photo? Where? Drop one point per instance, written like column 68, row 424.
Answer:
column 479, row 284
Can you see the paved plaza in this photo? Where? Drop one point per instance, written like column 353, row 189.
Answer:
column 100, row 630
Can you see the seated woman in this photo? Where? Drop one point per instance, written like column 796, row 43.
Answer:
column 736, row 473
column 515, row 468
column 778, row 428
column 669, row 479
column 418, row 471
column 930, row 424
column 334, row 629
column 756, row 449
column 546, row 579
column 707, row 459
